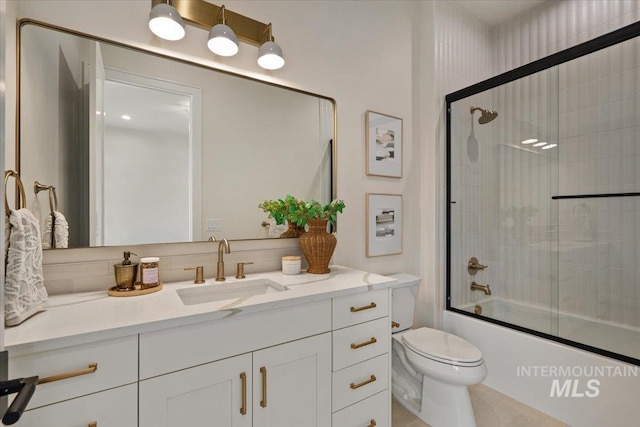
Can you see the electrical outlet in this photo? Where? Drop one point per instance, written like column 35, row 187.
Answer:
column 214, row 224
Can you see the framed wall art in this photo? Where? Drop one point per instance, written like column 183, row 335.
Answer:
column 383, row 145
column 384, row 224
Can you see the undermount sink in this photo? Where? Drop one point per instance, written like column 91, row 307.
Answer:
column 220, row 292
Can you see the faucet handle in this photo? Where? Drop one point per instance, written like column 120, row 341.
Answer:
column 473, row 266
column 199, row 274
column 240, row 269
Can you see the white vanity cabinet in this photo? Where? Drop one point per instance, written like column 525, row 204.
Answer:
column 191, row 374
column 292, row 384
column 284, row 385
column 361, row 360
column 318, row 363
column 219, row 391
column 117, row 407
column 84, row 384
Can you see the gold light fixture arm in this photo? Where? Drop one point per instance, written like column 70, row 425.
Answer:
column 205, row 15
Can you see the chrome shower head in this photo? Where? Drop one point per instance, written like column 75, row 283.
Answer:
column 486, row 115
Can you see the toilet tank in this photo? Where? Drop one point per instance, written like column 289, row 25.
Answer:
column 403, row 301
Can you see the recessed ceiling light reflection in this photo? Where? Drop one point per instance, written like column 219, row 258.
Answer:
column 125, row 117
column 546, row 147
column 529, row 141
column 539, row 144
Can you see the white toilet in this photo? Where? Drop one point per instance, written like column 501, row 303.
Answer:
column 432, row 369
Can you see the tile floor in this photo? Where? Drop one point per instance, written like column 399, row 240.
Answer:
column 492, row 409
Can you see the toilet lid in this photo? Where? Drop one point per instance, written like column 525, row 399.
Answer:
column 440, row 345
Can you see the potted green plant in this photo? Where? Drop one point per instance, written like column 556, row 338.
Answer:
column 281, row 210
column 317, row 244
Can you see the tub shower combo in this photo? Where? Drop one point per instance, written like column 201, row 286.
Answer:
column 543, row 200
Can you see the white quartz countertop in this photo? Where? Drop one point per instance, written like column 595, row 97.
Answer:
column 90, row 316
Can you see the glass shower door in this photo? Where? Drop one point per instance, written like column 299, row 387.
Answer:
column 503, row 173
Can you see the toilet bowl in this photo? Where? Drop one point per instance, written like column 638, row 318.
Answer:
column 431, row 369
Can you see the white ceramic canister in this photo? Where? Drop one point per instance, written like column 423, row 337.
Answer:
column 291, row 264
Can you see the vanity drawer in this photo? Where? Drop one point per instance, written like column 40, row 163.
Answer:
column 117, row 407
column 371, row 412
column 72, row 370
column 359, row 308
column 360, row 342
column 360, row 381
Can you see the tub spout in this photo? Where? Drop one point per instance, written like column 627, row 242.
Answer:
column 484, row 288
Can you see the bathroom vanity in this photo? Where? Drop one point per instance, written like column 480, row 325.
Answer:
column 305, row 350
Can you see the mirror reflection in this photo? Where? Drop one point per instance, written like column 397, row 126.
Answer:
column 143, row 148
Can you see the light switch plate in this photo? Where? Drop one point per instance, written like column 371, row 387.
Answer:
column 214, row 224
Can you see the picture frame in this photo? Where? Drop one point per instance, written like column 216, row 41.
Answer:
column 384, row 137
column 384, row 224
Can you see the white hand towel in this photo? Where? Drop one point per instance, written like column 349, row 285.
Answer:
column 24, row 290
column 57, row 225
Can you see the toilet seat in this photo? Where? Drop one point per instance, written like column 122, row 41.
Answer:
column 442, row 347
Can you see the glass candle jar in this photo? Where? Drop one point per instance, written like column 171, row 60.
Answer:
column 291, row 264
column 149, row 272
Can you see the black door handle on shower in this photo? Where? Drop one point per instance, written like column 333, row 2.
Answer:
column 25, row 387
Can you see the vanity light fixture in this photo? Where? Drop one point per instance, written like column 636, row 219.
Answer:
column 270, row 54
column 222, row 39
column 529, row 141
column 225, row 28
column 165, row 22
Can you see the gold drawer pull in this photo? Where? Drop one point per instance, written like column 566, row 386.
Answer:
column 366, row 307
column 90, row 370
column 95, row 424
column 373, row 340
column 372, row 423
column 395, row 324
column 243, row 379
column 263, row 402
column 370, row 380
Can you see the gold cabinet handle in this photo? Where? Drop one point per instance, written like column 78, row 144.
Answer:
column 372, row 423
column 395, row 324
column 90, row 370
column 263, row 402
column 243, row 380
column 366, row 307
column 373, row 340
column 369, row 381
column 95, row 424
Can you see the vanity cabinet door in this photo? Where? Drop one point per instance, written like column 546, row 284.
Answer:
column 292, row 384
column 217, row 393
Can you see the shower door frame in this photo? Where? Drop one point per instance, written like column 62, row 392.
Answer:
column 607, row 40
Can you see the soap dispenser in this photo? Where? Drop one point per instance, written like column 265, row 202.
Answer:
column 126, row 273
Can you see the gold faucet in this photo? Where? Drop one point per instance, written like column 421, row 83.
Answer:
column 224, row 244
column 484, row 288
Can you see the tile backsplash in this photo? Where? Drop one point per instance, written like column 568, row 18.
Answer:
column 82, row 270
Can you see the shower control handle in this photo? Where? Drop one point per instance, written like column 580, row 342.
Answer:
column 473, row 266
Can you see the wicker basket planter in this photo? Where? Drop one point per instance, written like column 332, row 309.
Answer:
column 293, row 231
column 317, row 246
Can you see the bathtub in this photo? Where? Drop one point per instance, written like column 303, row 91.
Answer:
column 615, row 337
column 597, row 391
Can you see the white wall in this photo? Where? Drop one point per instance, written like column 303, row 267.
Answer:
column 339, row 49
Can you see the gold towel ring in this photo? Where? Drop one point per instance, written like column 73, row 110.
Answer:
column 7, row 175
